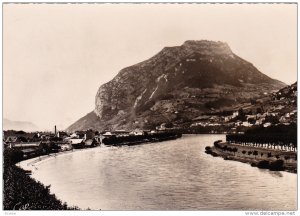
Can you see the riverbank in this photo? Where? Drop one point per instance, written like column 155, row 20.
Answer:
column 32, row 189
column 264, row 158
column 104, row 178
column 32, row 163
column 140, row 139
column 21, row 192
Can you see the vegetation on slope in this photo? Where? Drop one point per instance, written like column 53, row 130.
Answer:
column 21, row 192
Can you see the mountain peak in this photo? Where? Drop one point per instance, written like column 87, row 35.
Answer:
column 204, row 46
column 177, row 84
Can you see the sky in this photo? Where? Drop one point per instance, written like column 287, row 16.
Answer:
column 56, row 56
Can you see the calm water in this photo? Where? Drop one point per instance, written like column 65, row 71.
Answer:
column 171, row 175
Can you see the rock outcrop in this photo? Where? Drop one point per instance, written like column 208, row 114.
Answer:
column 177, row 84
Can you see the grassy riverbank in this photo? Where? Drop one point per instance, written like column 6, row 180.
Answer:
column 21, row 192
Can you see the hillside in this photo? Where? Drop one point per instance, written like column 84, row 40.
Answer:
column 177, row 85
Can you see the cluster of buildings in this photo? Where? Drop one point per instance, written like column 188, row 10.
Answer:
column 265, row 119
column 40, row 143
column 280, row 111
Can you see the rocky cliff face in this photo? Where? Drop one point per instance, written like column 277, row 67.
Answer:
column 177, row 84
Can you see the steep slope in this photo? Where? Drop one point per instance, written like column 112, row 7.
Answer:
column 176, row 85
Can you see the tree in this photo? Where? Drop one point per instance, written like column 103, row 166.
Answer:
column 255, row 153
column 252, row 101
column 12, row 156
column 259, row 110
column 234, row 150
column 169, row 125
column 241, row 115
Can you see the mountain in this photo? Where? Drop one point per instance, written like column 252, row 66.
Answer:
column 176, row 85
column 19, row 125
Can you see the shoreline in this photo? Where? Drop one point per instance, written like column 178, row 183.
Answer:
column 30, row 164
column 271, row 159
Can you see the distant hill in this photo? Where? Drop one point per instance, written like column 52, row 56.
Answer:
column 19, row 125
column 177, row 85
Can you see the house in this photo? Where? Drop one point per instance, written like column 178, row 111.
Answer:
column 250, row 117
column 12, row 139
column 77, row 143
column 137, row 132
column 121, row 133
column 74, row 135
column 26, row 145
column 107, row 134
column 238, row 123
column 283, row 119
column 66, row 147
column 29, row 149
column 91, row 143
column 62, row 134
column 267, row 124
column 30, row 152
column 235, row 114
column 81, row 134
column 227, row 118
column 246, row 124
column 161, row 127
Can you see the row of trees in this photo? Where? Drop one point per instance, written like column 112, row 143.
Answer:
column 283, row 136
column 255, row 153
column 114, row 140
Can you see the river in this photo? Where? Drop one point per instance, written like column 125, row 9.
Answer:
column 170, row 175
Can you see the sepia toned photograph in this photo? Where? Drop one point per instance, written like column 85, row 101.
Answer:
column 149, row 107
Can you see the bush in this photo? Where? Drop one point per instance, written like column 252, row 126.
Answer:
column 263, row 164
column 214, row 154
column 12, row 156
column 277, row 165
column 207, row 148
column 21, row 192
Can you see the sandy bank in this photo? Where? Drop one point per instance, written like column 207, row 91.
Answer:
column 32, row 163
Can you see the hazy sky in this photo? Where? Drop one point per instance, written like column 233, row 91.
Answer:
column 55, row 57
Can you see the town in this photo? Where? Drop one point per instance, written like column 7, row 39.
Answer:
column 277, row 108
column 35, row 144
